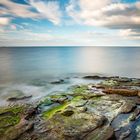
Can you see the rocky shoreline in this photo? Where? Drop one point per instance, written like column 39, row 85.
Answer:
column 107, row 110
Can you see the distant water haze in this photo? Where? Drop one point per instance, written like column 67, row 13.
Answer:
column 23, row 64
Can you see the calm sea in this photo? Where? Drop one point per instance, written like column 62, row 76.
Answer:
column 21, row 64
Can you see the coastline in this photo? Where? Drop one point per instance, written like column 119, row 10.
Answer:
column 101, row 110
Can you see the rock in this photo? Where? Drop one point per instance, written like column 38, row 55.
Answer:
column 38, row 82
column 127, row 106
column 19, row 98
column 125, row 135
column 95, row 77
column 13, row 122
column 67, row 113
column 58, row 98
column 31, row 112
column 45, row 102
column 122, row 79
column 109, row 83
column 135, row 114
column 74, row 127
column 138, row 132
column 79, row 103
column 139, row 93
column 103, row 133
column 124, row 92
column 61, row 81
column 17, row 130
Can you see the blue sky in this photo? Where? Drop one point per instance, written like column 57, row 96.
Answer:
column 69, row 22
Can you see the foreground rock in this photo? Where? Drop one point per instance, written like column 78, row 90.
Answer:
column 14, row 121
column 103, row 111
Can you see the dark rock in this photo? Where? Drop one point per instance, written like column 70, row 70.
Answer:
column 61, row 81
column 18, row 98
column 67, row 113
column 96, row 77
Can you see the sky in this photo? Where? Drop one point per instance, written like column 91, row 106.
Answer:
column 69, row 22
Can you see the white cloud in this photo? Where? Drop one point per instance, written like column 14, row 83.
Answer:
column 105, row 13
column 44, row 10
column 16, row 9
column 49, row 9
column 4, row 21
column 129, row 34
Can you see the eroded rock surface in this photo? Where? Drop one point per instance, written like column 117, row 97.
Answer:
column 107, row 110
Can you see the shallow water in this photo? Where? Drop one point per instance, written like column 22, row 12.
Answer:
column 122, row 121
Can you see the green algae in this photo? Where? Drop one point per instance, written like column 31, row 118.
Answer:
column 47, row 101
column 109, row 83
column 77, row 98
column 14, row 109
column 49, row 113
column 80, row 89
column 9, row 117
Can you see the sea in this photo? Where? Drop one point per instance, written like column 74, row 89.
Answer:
column 32, row 69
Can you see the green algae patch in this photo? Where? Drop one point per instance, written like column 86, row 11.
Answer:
column 77, row 98
column 49, row 113
column 80, row 89
column 14, row 109
column 9, row 117
column 97, row 98
column 109, row 83
column 46, row 102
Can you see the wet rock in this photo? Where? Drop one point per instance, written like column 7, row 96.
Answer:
column 45, row 102
column 135, row 114
column 125, row 135
column 38, row 82
column 19, row 98
column 94, row 77
column 58, row 98
column 138, row 132
column 124, row 92
column 61, row 81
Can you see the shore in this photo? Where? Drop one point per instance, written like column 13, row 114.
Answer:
column 103, row 110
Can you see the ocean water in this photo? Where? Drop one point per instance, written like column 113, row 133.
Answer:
column 30, row 63
column 29, row 69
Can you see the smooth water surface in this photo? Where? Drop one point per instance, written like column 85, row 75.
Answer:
column 23, row 64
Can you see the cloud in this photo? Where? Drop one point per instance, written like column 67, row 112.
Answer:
column 4, row 21
column 16, row 9
column 130, row 34
column 34, row 9
column 105, row 13
column 49, row 9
